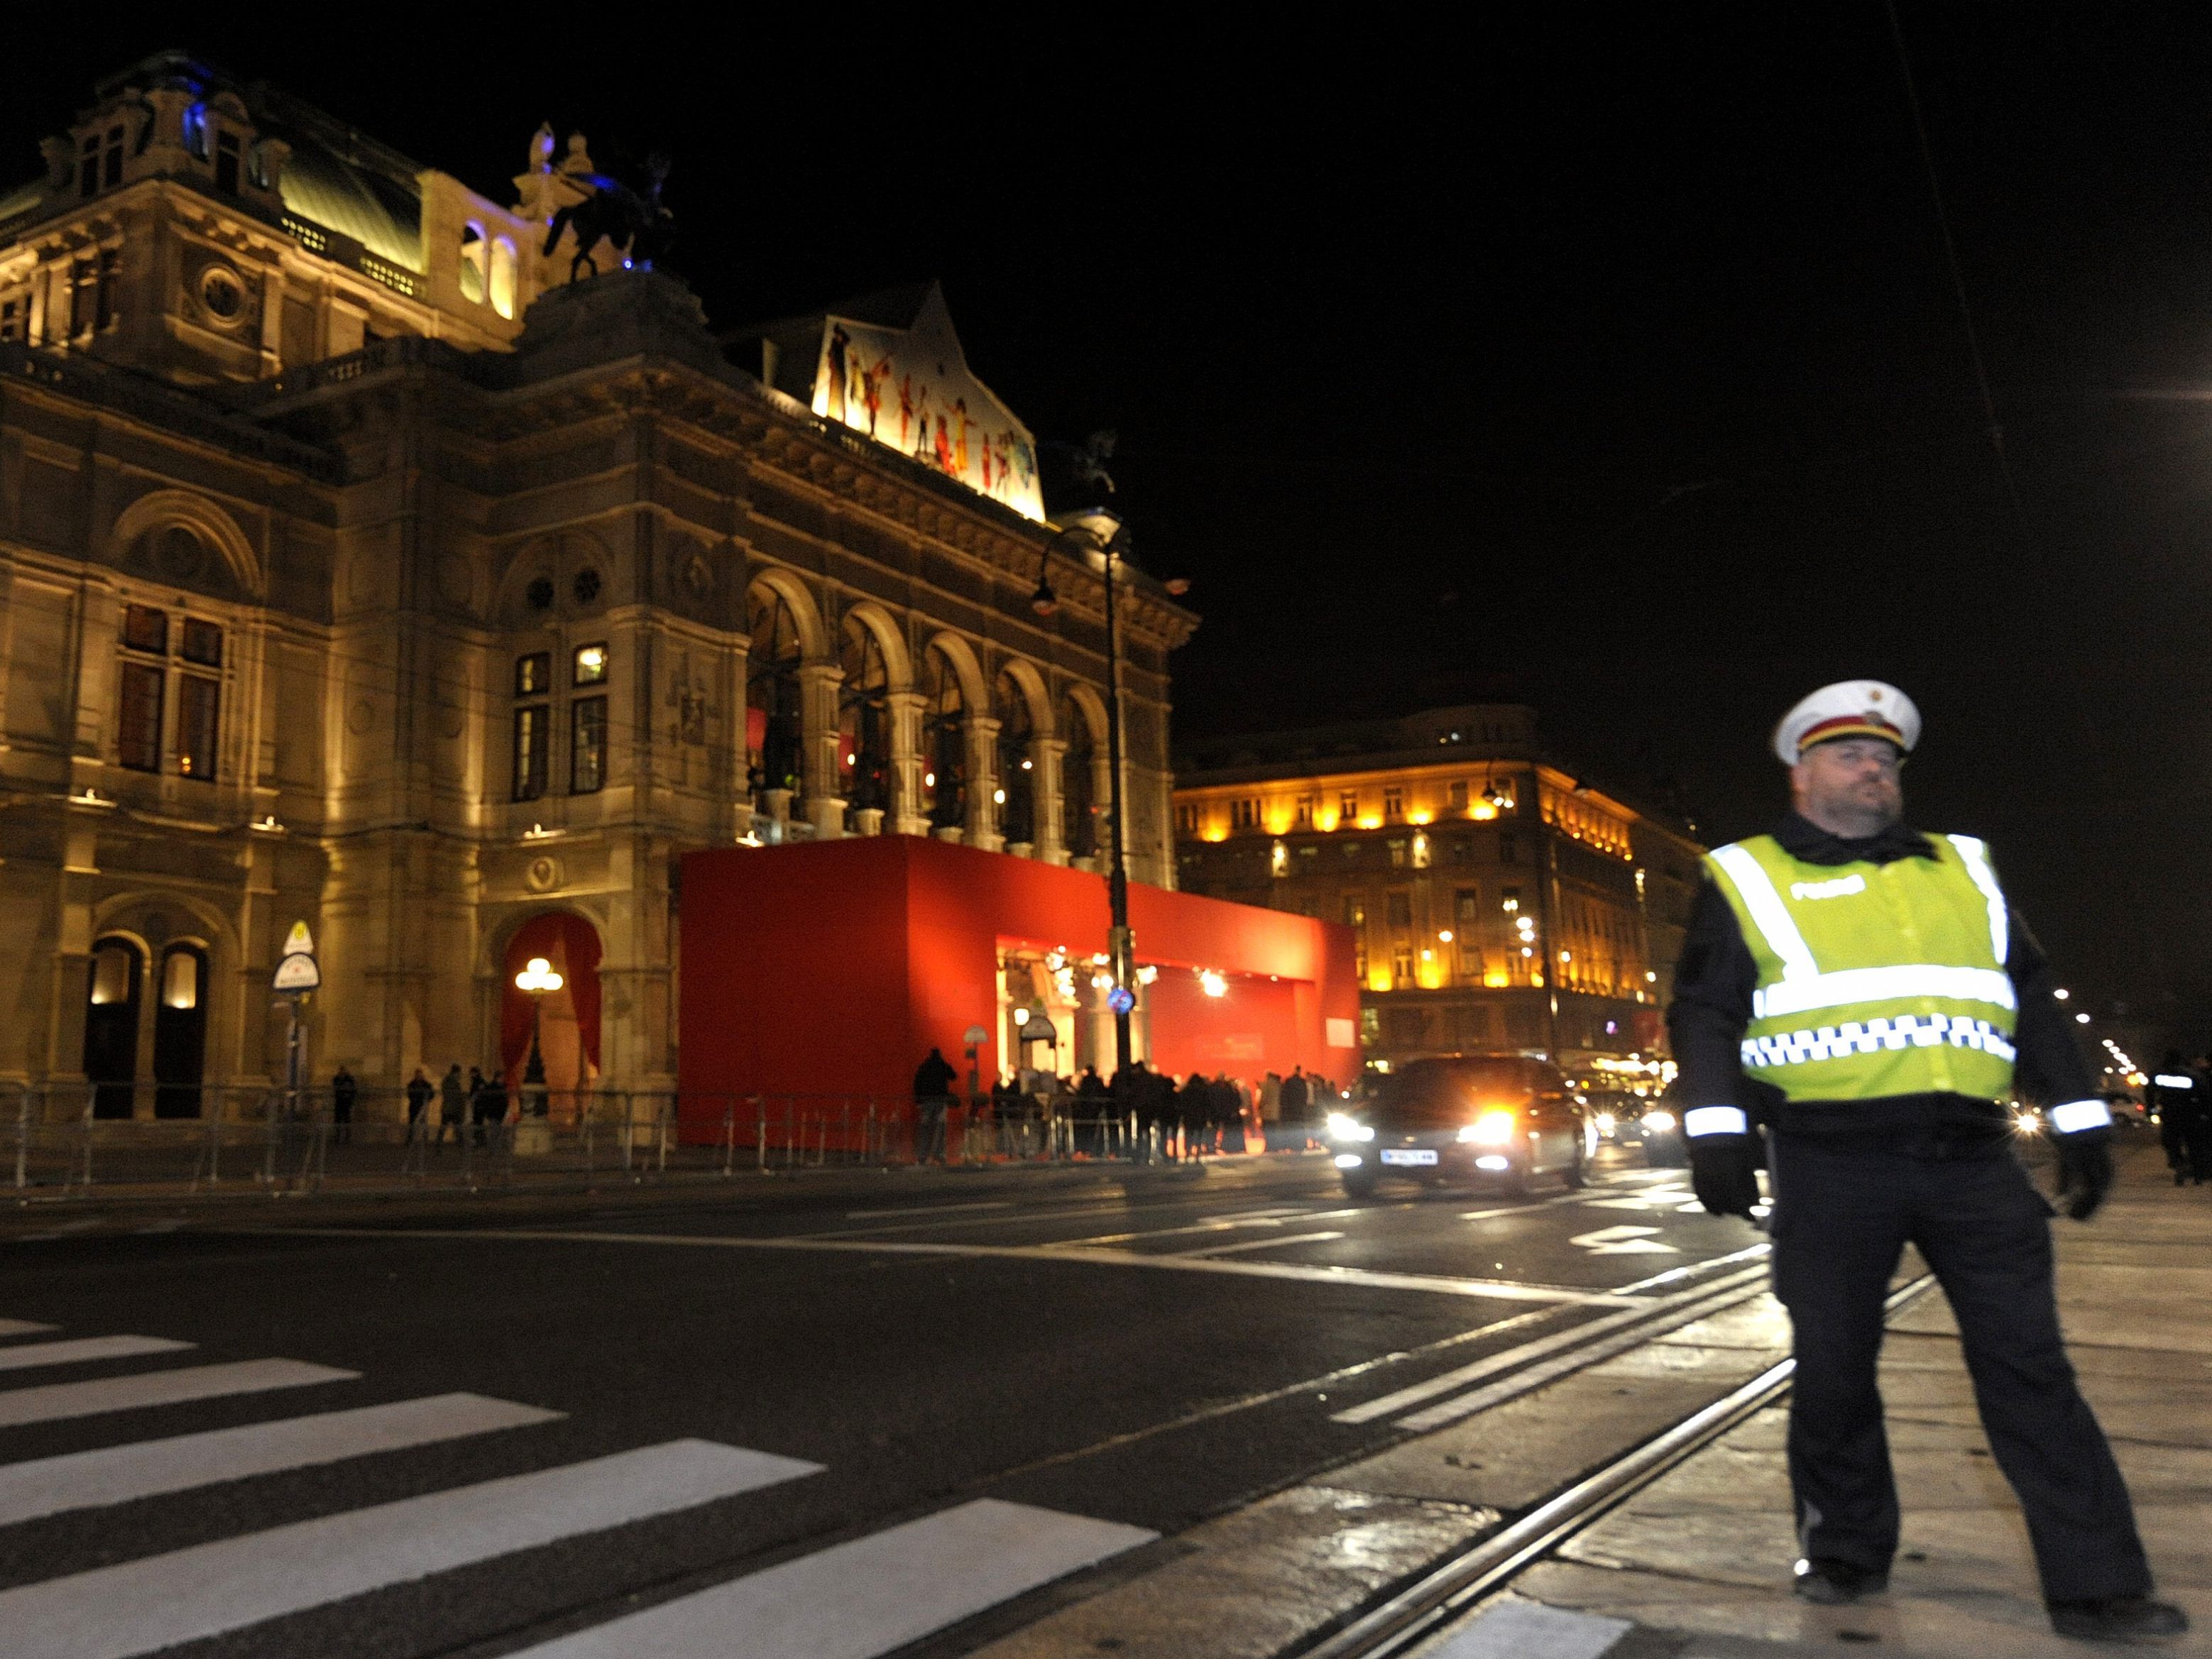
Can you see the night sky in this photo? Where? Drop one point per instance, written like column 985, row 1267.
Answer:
column 1605, row 360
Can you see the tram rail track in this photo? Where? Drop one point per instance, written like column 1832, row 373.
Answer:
column 1448, row 1590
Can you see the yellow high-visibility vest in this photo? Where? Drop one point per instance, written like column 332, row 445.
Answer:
column 1875, row 978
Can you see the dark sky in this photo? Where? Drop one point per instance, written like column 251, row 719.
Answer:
column 1602, row 358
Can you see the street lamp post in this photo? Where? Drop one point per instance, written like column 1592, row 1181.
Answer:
column 1095, row 529
column 535, row 981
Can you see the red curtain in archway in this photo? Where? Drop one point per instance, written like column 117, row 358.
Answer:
column 572, row 945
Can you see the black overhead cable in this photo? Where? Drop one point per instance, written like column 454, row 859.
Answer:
column 1951, row 258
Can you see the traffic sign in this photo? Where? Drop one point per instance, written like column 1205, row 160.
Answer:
column 298, row 972
column 976, row 1036
column 1120, row 999
column 299, row 942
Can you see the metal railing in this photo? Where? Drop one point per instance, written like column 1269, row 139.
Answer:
column 64, row 1138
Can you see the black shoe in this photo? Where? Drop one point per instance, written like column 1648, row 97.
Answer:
column 2117, row 1619
column 1833, row 1583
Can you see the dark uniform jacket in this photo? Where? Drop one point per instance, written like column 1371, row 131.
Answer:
column 1716, row 974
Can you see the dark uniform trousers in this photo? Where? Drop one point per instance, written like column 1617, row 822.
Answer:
column 1842, row 1217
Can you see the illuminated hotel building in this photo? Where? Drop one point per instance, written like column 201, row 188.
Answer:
column 357, row 569
column 1498, row 900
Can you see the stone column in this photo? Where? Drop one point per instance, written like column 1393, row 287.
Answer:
column 824, row 806
column 982, row 734
column 907, row 817
column 1047, row 753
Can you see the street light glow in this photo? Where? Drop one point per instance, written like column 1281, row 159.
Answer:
column 538, row 977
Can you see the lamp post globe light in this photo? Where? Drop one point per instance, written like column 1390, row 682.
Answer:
column 535, row 980
column 1084, row 531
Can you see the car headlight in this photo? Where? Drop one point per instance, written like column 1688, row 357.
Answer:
column 2026, row 1123
column 1658, row 1123
column 1342, row 1127
column 1491, row 1129
column 1606, row 1123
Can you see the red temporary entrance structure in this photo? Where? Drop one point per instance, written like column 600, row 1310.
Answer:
column 831, row 967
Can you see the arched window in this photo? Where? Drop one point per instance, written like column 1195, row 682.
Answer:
column 1078, row 783
column 111, row 1026
column 774, row 725
column 943, row 744
column 1017, row 766
column 864, row 722
column 472, row 264
column 180, row 1032
column 502, row 277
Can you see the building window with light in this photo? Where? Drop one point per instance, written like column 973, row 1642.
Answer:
column 1401, row 965
column 1016, row 763
column 1347, row 806
column 1393, row 804
column 532, row 742
column 774, row 725
column 864, row 722
column 590, row 665
column 588, row 745
column 533, row 675
column 944, row 745
column 1397, row 852
column 1079, row 785
column 153, row 655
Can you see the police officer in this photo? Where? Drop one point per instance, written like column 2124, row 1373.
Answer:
column 2178, row 1098
column 1866, row 993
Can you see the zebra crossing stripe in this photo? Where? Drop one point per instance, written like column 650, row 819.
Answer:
column 21, row 1327
column 146, row 1468
column 188, row 1595
column 55, row 1401
column 857, row 1600
column 77, row 1350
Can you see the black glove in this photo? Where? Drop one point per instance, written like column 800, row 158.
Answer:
column 2085, row 1170
column 1724, row 1173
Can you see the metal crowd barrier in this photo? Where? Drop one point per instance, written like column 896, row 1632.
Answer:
column 67, row 1138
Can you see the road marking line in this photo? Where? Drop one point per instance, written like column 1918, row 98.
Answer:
column 1590, row 1330
column 76, row 1350
column 1524, row 1209
column 145, row 1468
column 22, row 1328
column 1502, row 1289
column 870, row 1597
column 1529, row 1629
column 1535, row 1377
column 1623, row 1240
column 1255, row 1244
column 189, row 1595
column 1694, row 1269
column 56, row 1401
column 927, row 1209
column 62, row 1230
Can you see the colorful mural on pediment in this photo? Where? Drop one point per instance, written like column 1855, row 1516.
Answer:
column 909, row 389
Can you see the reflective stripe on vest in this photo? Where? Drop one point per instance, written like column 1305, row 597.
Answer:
column 1891, row 1027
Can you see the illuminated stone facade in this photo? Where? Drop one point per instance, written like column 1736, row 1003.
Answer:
column 1500, row 901
column 355, row 570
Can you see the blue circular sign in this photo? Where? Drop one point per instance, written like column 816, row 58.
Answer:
column 1121, row 1000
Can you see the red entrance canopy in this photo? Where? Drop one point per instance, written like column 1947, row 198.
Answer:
column 833, row 967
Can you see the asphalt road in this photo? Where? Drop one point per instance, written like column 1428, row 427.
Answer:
column 838, row 1414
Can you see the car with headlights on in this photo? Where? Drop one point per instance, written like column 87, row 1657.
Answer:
column 1501, row 1119
column 1656, row 1126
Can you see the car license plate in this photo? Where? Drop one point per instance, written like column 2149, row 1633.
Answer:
column 1408, row 1155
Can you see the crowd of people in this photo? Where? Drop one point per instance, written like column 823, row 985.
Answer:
column 1195, row 1116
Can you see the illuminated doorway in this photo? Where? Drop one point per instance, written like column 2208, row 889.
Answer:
column 568, row 1019
column 111, row 1025
column 180, row 1031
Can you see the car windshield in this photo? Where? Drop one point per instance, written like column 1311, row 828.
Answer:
column 1446, row 1091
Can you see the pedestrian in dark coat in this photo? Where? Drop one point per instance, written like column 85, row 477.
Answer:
column 342, row 1089
column 419, row 1090
column 2176, row 1095
column 2196, row 1127
column 933, row 1081
column 490, row 1107
column 1194, row 1113
column 452, row 1104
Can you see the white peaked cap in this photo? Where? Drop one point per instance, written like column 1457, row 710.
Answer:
column 1849, row 708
